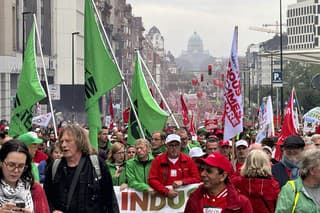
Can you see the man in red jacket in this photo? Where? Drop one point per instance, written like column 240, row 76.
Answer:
column 172, row 168
column 216, row 194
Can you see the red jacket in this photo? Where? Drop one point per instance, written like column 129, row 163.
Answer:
column 163, row 172
column 235, row 202
column 262, row 192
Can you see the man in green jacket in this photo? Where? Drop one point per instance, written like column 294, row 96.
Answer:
column 157, row 142
column 138, row 167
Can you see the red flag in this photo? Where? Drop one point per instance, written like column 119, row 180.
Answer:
column 125, row 115
column 192, row 128
column 184, row 111
column 151, row 91
column 111, row 109
column 288, row 126
column 161, row 105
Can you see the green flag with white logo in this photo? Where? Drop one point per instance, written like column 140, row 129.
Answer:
column 29, row 91
column 101, row 73
column 150, row 115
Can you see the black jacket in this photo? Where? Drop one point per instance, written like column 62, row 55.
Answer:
column 279, row 173
column 90, row 195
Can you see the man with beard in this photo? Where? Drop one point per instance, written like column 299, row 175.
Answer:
column 287, row 168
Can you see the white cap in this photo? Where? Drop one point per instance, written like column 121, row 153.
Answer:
column 241, row 143
column 267, row 148
column 196, row 152
column 173, row 137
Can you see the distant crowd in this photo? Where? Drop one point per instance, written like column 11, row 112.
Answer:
column 238, row 175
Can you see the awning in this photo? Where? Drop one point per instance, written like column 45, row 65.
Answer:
column 308, row 56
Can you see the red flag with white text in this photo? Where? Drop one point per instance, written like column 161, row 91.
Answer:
column 184, row 111
column 288, row 127
column 233, row 106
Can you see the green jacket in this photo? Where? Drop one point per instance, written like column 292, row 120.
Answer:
column 156, row 152
column 305, row 203
column 35, row 172
column 137, row 173
column 121, row 179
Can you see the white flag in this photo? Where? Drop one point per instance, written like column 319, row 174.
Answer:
column 42, row 120
column 233, row 106
column 267, row 127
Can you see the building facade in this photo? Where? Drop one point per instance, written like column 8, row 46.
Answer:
column 303, row 26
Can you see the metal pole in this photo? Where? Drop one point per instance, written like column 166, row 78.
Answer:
column 281, row 61
column 45, row 75
column 72, row 107
column 271, row 85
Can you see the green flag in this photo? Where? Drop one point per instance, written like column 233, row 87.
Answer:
column 150, row 115
column 29, row 90
column 101, row 73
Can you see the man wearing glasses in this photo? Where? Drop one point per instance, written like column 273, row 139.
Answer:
column 172, row 168
column 157, row 143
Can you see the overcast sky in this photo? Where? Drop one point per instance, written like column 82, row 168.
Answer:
column 213, row 20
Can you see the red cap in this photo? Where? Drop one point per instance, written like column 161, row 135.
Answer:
column 225, row 143
column 218, row 160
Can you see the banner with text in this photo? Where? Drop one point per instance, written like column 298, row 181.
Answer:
column 130, row 200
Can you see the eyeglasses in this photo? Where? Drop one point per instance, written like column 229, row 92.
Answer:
column 173, row 145
column 12, row 166
column 184, row 139
column 156, row 139
column 132, row 152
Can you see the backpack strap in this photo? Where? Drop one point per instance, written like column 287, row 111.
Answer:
column 55, row 167
column 96, row 165
column 297, row 194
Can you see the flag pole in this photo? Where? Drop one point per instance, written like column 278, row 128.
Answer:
column 158, row 89
column 45, row 76
column 116, row 62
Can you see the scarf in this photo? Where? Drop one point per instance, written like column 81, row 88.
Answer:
column 22, row 193
column 294, row 169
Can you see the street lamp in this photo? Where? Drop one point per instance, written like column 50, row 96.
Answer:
column 281, row 61
column 72, row 107
column 23, row 29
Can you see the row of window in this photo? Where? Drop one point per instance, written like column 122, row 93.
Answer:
column 311, row 9
column 300, row 39
column 302, row 20
column 300, row 30
column 300, row 46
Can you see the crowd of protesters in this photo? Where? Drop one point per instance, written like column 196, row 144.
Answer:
column 238, row 175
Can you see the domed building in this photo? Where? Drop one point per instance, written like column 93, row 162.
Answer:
column 195, row 58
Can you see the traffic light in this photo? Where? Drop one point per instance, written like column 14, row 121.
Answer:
column 201, row 77
column 210, row 69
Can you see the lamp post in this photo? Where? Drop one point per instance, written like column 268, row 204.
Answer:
column 72, row 107
column 23, row 31
column 281, row 62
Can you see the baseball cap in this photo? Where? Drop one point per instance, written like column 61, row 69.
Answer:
column 218, row 160
column 267, row 148
column 225, row 143
column 196, row 152
column 241, row 143
column 29, row 138
column 293, row 141
column 173, row 137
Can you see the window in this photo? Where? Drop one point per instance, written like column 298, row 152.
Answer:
column 316, row 41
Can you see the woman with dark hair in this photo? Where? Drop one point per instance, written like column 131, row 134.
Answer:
column 17, row 184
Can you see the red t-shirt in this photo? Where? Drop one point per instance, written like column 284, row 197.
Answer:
column 216, row 203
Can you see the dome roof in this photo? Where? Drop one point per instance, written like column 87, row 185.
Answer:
column 195, row 43
column 154, row 30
